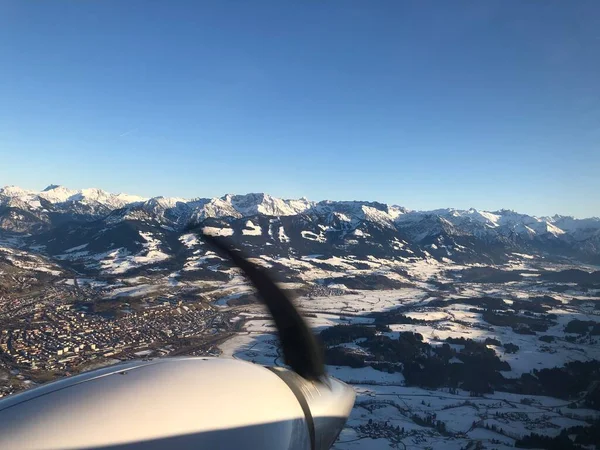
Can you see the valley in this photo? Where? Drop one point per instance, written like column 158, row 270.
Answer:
column 397, row 367
column 461, row 329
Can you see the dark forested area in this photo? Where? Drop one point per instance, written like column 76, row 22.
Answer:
column 457, row 363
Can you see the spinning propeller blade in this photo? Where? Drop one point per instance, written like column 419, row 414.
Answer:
column 300, row 348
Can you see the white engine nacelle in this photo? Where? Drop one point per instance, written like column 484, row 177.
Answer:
column 178, row 403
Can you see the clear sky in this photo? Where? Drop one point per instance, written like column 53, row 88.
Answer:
column 426, row 104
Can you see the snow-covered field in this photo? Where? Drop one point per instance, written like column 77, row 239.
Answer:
column 386, row 409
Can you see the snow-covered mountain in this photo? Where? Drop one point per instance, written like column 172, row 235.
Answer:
column 54, row 194
column 101, row 224
column 24, row 210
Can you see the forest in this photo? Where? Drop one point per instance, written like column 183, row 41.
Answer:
column 456, row 363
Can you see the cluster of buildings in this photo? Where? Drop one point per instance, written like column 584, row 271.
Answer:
column 62, row 337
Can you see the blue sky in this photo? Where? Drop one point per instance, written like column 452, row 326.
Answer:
column 425, row 104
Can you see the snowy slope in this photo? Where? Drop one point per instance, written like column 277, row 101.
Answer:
column 327, row 227
column 61, row 194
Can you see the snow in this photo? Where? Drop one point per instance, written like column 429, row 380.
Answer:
column 343, row 217
column 105, row 198
column 379, row 217
column 490, row 217
column 282, row 236
column 172, row 279
column 312, row 236
column 251, row 229
column 214, row 231
column 364, row 444
column 252, row 204
column 15, row 191
column 223, row 300
column 424, row 269
column 133, row 291
column 570, row 224
column 425, row 223
column 338, row 286
column 190, row 240
column 128, row 198
column 29, row 261
column 394, row 402
column 45, row 269
column 195, row 262
column 120, row 260
column 523, row 255
column 73, row 249
column 419, row 224
column 57, row 194
column 428, row 315
column 333, row 261
column 481, row 434
column 73, row 255
column 60, row 194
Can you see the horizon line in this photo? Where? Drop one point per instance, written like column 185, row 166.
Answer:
column 190, row 199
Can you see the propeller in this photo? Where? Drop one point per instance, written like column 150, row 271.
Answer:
column 300, row 348
column 326, row 402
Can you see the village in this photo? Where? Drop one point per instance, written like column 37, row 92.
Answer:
column 62, row 339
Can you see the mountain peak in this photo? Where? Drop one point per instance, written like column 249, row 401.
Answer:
column 57, row 194
column 51, row 187
column 14, row 191
column 262, row 203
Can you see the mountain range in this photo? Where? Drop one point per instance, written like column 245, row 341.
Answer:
column 92, row 230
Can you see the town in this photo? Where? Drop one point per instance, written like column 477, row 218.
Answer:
column 54, row 338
